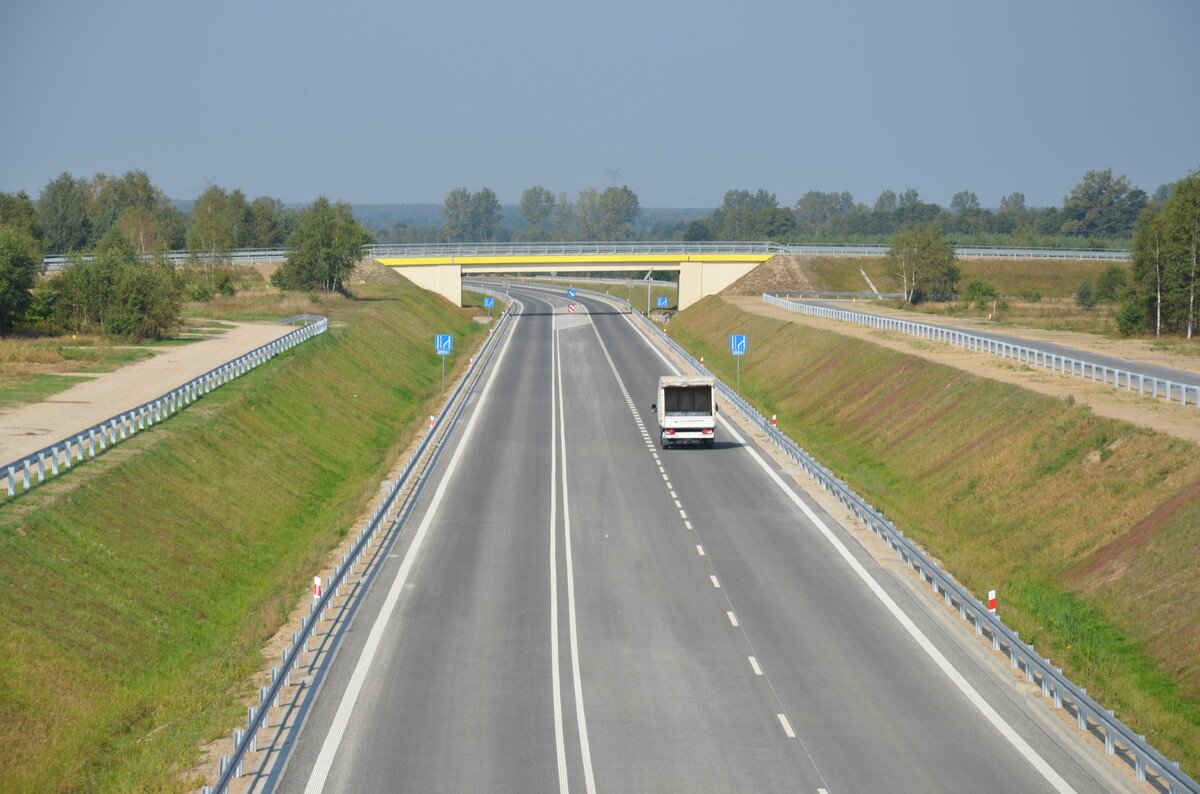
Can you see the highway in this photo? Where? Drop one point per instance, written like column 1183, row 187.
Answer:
column 572, row 608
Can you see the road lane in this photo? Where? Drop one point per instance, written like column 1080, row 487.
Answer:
column 719, row 643
column 459, row 697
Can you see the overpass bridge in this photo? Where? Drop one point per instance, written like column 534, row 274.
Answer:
column 703, row 268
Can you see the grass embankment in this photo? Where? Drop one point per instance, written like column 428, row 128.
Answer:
column 1087, row 527
column 139, row 589
column 1053, row 278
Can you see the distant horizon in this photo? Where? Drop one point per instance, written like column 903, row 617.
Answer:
column 783, row 96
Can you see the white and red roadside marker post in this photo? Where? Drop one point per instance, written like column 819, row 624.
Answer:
column 992, row 601
column 430, row 422
column 701, row 361
column 774, row 421
column 316, row 588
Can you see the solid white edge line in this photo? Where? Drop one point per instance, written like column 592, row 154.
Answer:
column 581, row 720
column 754, row 665
column 944, row 664
column 930, row 649
column 341, row 720
column 787, row 726
column 560, row 746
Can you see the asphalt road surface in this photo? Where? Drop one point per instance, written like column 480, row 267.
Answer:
column 1134, row 366
column 571, row 608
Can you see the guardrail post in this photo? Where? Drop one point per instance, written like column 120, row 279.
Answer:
column 27, row 474
column 12, row 482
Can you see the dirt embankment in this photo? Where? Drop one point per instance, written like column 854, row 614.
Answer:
column 780, row 272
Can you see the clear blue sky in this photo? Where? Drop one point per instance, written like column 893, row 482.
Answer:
column 402, row 101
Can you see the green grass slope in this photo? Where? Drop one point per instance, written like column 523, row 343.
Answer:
column 140, row 588
column 1087, row 527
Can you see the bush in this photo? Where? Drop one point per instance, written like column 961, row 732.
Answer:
column 1131, row 318
column 225, row 284
column 1110, row 284
column 980, row 293
column 1085, row 296
column 1030, row 295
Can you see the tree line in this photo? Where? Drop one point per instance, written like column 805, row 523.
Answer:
column 126, row 287
column 592, row 215
column 1100, row 207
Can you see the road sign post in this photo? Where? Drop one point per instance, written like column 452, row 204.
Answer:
column 443, row 344
column 737, row 346
column 570, row 292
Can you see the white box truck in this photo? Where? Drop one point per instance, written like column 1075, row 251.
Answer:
column 687, row 410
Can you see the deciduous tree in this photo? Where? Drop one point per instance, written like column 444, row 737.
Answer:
column 925, row 262
column 323, row 250
column 20, row 264
column 63, row 213
column 456, row 215
column 537, row 207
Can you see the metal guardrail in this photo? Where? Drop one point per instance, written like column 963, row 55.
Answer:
column 97, row 439
column 246, row 256
column 962, row 252
column 246, row 739
column 569, row 249
column 1089, row 715
column 255, row 256
column 1170, row 390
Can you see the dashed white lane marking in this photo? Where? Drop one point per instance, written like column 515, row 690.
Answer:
column 931, row 650
column 664, row 478
column 732, row 619
column 754, row 665
column 716, row 584
column 700, row 550
column 341, row 720
column 687, row 524
column 677, row 504
column 787, row 726
column 926, row 645
column 683, row 515
column 674, row 496
column 822, row 791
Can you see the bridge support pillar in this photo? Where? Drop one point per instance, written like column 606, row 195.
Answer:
column 698, row 279
column 445, row 280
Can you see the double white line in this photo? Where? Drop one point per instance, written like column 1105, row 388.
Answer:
column 558, row 450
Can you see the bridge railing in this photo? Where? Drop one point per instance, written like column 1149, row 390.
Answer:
column 569, row 249
column 254, row 256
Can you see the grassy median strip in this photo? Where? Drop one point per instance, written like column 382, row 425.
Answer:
column 140, row 589
column 1086, row 526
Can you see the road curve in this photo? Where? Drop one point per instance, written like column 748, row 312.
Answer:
column 572, row 608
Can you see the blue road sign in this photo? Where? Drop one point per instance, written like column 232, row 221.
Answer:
column 662, row 303
column 443, row 344
column 570, row 292
column 737, row 344
column 489, row 303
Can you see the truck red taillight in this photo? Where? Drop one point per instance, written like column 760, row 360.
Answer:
column 708, row 431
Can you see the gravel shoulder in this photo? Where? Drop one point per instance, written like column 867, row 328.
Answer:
column 28, row 428
column 1106, row 401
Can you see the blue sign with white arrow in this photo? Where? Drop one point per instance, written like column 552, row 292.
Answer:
column 443, row 344
column 662, row 303
column 570, row 292
column 489, row 303
column 737, row 344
